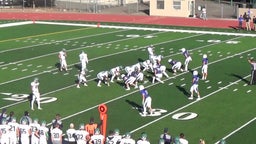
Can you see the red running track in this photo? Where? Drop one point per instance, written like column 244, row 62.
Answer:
column 173, row 21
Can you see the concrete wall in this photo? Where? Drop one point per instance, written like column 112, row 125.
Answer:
column 241, row 11
column 168, row 10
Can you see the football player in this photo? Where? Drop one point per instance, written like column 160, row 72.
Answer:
column 71, row 134
column 62, row 57
column 156, row 59
column 129, row 81
column 150, row 50
column 97, row 138
column 127, row 139
column 194, row 87
column 147, row 65
column 35, row 94
column 43, row 133
column 114, row 137
column 103, row 77
column 83, row 60
column 143, row 139
column 81, row 79
column 175, row 65
column 82, row 135
column 34, row 131
column 4, row 132
column 25, row 132
column 204, row 67
column 158, row 74
column 115, row 73
column 137, row 74
column 187, row 58
column 14, row 131
column 146, row 100
column 56, row 135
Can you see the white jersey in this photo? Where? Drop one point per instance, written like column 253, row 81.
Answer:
column 83, row 58
column 62, row 55
column 102, row 75
column 127, row 141
column 183, row 141
column 56, row 134
column 143, row 142
column 97, row 139
column 4, row 132
column 35, row 87
column 150, row 51
column 115, row 71
column 13, row 132
column 113, row 139
column 34, row 133
column 81, row 136
column 24, row 133
column 43, row 135
column 70, row 134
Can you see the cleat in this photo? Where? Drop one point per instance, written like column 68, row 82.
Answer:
column 98, row 85
column 40, row 108
column 77, row 86
column 191, row 98
column 198, row 98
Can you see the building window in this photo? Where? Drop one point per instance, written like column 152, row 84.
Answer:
column 177, row 4
column 160, row 4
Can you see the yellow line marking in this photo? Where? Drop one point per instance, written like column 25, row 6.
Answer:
column 46, row 34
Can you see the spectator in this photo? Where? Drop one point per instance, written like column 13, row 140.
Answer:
column 56, row 121
column 248, row 22
column 91, row 126
column 240, row 22
column 166, row 137
column 204, row 17
column 253, row 71
column 182, row 139
column 254, row 23
column 26, row 117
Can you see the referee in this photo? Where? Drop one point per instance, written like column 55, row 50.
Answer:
column 253, row 71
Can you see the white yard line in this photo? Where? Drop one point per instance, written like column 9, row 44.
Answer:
column 90, row 60
column 238, row 129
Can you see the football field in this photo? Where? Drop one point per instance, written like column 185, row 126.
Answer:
column 226, row 110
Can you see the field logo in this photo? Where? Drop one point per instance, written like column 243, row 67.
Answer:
column 20, row 97
column 156, row 112
column 184, row 116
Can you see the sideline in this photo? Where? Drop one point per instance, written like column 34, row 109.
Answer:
column 233, row 132
column 151, row 29
column 15, row 24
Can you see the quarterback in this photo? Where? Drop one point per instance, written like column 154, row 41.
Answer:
column 83, row 60
column 194, row 87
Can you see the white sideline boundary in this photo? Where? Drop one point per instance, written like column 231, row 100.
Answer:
column 148, row 29
column 238, row 129
column 15, row 24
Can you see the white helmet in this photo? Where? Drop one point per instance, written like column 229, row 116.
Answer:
column 204, row 56
column 169, row 60
column 195, row 73
column 122, row 75
column 148, row 61
column 141, row 87
column 183, row 50
column 36, row 79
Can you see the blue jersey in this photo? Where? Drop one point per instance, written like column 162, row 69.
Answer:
column 186, row 54
column 205, row 61
column 195, row 80
column 173, row 62
column 158, row 70
column 144, row 93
